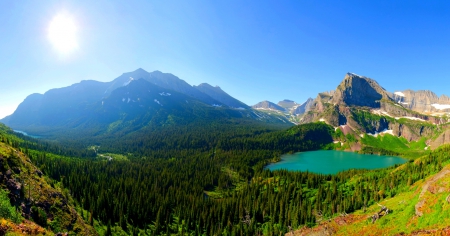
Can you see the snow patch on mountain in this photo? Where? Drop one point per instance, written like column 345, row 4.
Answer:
column 441, row 106
column 165, row 94
column 380, row 112
column 385, row 131
column 400, row 94
column 356, row 75
column 156, row 100
column 257, row 115
column 410, row 118
column 128, row 82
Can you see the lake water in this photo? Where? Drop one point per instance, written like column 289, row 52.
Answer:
column 21, row 132
column 331, row 162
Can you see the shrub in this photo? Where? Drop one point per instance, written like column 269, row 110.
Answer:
column 7, row 211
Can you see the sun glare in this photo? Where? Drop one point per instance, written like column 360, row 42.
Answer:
column 62, row 33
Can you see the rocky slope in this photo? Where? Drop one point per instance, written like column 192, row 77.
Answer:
column 302, row 108
column 36, row 198
column 218, row 94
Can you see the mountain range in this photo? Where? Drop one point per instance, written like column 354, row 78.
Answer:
column 139, row 99
column 132, row 101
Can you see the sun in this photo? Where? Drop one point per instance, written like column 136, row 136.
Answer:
column 62, row 33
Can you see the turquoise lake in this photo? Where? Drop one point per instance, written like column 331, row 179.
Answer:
column 331, row 162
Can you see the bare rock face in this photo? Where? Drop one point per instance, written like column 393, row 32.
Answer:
column 441, row 139
column 303, row 108
column 357, row 90
column 423, row 101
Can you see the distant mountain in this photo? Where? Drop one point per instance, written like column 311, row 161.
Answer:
column 219, row 95
column 302, row 108
column 287, row 104
column 57, row 105
column 164, row 80
column 423, row 101
column 289, row 109
column 133, row 101
column 266, row 105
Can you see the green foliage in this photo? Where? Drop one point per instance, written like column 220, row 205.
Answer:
column 391, row 145
column 7, row 211
column 39, row 216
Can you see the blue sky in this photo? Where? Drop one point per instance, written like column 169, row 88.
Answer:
column 254, row 50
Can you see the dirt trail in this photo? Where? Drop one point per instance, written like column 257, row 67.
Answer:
column 425, row 187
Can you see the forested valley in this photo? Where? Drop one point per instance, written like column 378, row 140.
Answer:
column 206, row 181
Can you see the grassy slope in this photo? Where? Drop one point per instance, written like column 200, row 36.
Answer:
column 403, row 218
column 397, row 145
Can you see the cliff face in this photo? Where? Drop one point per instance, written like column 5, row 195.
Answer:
column 423, row 101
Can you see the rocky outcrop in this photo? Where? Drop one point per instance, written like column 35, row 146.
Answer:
column 441, row 139
column 411, row 132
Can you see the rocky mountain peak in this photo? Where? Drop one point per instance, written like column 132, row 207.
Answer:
column 356, row 90
column 266, row 105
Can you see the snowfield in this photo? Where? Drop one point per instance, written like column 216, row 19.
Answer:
column 400, row 94
column 385, row 131
column 441, row 106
